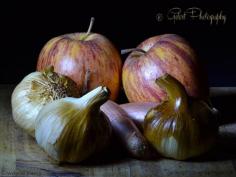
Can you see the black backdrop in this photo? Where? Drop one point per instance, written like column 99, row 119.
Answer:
column 27, row 26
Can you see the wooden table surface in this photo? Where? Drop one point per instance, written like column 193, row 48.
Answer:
column 21, row 156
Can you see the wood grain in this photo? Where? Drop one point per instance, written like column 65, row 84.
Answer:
column 20, row 156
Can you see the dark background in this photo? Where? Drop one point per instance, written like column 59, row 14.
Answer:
column 27, row 26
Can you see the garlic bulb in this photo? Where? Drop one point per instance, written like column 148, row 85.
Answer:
column 71, row 129
column 180, row 127
column 36, row 90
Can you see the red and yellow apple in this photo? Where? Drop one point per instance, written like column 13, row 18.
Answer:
column 156, row 56
column 89, row 59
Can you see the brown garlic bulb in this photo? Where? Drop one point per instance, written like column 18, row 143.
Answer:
column 72, row 129
column 180, row 127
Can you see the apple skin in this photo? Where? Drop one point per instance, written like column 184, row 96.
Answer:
column 76, row 53
column 165, row 54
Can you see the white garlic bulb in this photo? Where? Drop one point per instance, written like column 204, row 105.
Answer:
column 72, row 129
column 36, row 90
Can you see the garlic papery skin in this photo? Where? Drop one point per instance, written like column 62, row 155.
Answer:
column 36, row 90
column 72, row 129
column 180, row 127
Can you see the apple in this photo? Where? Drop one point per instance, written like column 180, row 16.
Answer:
column 159, row 55
column 89, row 59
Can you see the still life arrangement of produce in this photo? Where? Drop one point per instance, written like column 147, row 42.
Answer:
column 69, row 104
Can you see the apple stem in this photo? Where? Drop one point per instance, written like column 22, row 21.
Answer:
column 90, row 25
column 86, row 80
column 125, row 51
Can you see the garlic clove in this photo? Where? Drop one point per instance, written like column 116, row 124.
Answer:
column 72, row 129
column 126, row 132
column 36, row 90
column 180, row 127
column 137, row 111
